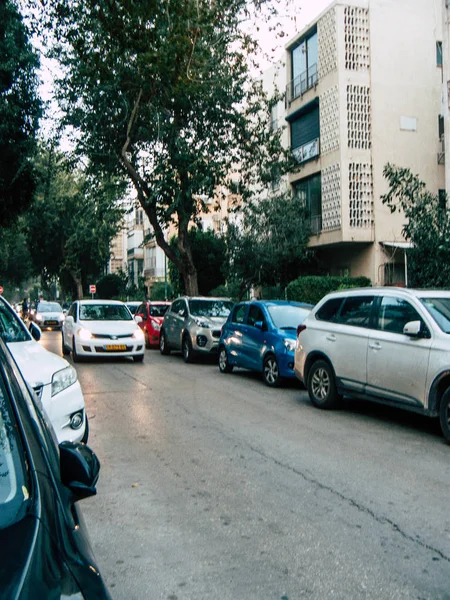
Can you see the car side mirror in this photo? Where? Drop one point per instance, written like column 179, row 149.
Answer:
column 79, row 468
column 413, row 329
column 138, row 319
column 259, row 325
column 69, row 319
column 35, row 331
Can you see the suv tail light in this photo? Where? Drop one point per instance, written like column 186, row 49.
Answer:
column 300, row 328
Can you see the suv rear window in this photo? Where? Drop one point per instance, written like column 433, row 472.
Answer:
column 356, row 311
column 329, row 311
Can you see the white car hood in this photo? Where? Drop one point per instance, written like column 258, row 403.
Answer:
column 111, row 327
column 35, row 362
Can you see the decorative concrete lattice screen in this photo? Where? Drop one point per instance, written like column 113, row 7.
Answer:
column 356, row 27
column 329, row 121
column 326, row 35
column 331, row 197
column 358, row 117
column 360, row 192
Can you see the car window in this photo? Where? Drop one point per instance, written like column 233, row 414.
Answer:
column 72, row 310
column 14, row 487
column 12, row 328
column 210, row 308
column 394, row 313
column 158, row 310
column 239, row 313
column 287, row 317
column 329, row 311
column 356, row 311
column 104, row 312
column 177, row 306
column 255, row 314
column 439, row 309
column 44, row 307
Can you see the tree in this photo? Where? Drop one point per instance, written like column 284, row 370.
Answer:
column 111, row 286
column 160, row 91
column 208, row 252
column 71, row 223
column 427, row 226
column 20, row 109
column 269, row 246
column 16, row 266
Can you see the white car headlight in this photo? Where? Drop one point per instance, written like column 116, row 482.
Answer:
column 201, row 322
column 63, row 379
column 138, row 335
column 289, row 344
column 38, row 317
column 84, row 334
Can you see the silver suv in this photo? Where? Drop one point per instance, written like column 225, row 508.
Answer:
column 193, row 325
column 389, row 345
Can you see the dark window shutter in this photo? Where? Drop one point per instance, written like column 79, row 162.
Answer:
column 305, row 129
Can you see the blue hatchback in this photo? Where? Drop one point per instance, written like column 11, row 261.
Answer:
column 260, row 335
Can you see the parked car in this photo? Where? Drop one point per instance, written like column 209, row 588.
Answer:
column 193, row 325
column 133, row 305
column 260, row 335
column 48, row 315
column 100, row 328
column 388, row 345
column 44, row 547
column 53, row 379
column 149, row 316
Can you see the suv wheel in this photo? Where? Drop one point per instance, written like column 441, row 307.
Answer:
column 224, row 364
column 186, row 349
column 271, row 372
column 163, row 347
column 322, row 385
column 444, row 415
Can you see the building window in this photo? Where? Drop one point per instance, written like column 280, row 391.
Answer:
column 439, row 54
column 308, row 191
column 304, row 58
column 274, row 118
column 305, row 133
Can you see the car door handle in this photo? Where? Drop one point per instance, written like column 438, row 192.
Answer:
column 375, row 345
column 331, row 337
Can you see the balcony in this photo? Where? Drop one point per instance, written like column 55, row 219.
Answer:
column 307, row 151
column 302, row 83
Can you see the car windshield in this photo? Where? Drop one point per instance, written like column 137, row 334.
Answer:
column 439, row 309
column 104, row 312
column 133, row 308
column 45, row 307
column 158, row 310
column 11, row 327
column 288, row 317
column 13, row 479
column 210, row 308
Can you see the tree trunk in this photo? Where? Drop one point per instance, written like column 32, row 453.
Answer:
column 187, row 270
column 78, row 284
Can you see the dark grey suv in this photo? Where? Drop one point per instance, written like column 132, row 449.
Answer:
column 193, row 325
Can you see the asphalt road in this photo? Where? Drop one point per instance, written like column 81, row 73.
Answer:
column 216, row 487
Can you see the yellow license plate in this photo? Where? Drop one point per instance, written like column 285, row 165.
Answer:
column 116, row 347
column 51, row 322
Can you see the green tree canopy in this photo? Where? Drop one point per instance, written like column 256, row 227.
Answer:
column 71, row 223
column 160, row 91
column 20, row 110
column 427, row 226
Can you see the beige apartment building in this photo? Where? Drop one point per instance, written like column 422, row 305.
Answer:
column 364, row 88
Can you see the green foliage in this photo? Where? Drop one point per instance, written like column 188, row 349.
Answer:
column 71, row 223
column 269, row 247
column 161, row 291
column 427, row 226
column 15, row 260
column 208, row 252
column 20, row 110
column 161, row 91
column 111, row 286
column 230, row 290
column 313, row 288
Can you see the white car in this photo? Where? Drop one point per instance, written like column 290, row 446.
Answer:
column 100, row 328
column 53, row 379
column 48, row 315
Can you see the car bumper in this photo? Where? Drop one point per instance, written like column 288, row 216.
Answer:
column 102, row 348
column 64, row 410
column 286, row 365
column 205, row 340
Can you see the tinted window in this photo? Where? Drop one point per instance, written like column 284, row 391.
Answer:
column 356, row 311
column 158, row 310
column 394, row 313
column 287, row 317
column 439, row 309
column 142, row 310
column 210, row 308
column 255, row 314
column 239, row 313
column 11, row 327
column 329, row 311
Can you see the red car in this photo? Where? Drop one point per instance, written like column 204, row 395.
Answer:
column 151, row 316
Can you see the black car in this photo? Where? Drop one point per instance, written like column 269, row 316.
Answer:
column 44, row 548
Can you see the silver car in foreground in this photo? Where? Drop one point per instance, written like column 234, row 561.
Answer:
column 389, row 345
column 193, row 325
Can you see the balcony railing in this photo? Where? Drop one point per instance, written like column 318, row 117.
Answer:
column 302, row 83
